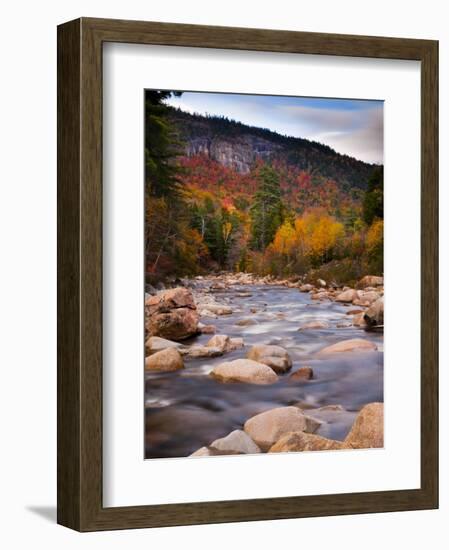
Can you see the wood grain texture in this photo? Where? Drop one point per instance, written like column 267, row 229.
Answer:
column 80, row 274
column 69, row 407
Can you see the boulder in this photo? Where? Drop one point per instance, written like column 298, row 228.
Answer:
column 203, row 451
column 210, row 451
column 303, row 373
column 275, row 357
column 359, row 321
column 268, row 427
column 370, row 280
column 166, row 360
column 370, row 296
column 306, row 288
column 374, row 315
column 223, row 342
column 244, row 370
column 320, row 295
column 353, row 345
column 347, row 296
column 321, row 282
column 154, row 344
column 367, row 432
column 204, row 351
column 354, row 311
column 171, row 314
column 314, row 325
column 218, row 309
column 207, row 329
column 236, row 442
column 294, row 442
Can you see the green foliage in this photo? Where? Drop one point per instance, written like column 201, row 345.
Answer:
column 161, row 148
column 267, row 209
column 373, row 202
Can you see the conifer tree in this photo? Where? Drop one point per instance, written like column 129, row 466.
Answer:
column 266, row 210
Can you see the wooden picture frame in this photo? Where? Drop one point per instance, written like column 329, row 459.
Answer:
column 80, row 504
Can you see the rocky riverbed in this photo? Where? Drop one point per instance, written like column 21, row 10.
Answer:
column 237, row 364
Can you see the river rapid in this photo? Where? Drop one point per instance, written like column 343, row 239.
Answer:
column 188, row 409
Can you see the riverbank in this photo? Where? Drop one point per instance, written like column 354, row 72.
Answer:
column 194, row 405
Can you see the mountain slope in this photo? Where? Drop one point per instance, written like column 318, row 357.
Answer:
column 237, row 146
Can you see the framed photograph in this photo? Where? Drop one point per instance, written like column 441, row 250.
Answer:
column 247, row 274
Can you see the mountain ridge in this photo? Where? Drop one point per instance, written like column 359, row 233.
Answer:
column 239, row 146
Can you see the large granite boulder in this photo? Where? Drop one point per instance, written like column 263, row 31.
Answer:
column 268, row 427
column 367, row 432
column 236, row 442
column 166, row 360
column 244, row 370
column 171, row 314
column 374, row 315
column 294, row 442
column 353, row 345
column 370, row 280
column 274, row 357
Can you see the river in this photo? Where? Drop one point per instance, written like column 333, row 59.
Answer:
column 188, row 409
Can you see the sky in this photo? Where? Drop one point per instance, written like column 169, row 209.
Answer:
column 351, row 127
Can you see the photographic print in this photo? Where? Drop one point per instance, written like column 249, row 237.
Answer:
column 264, row 287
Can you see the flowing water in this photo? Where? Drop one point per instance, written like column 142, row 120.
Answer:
column 188, row 409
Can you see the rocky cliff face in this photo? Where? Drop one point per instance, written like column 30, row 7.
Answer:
column 238, row 146
column 239, row 153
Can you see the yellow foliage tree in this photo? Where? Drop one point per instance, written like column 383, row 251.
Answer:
column 285, row 241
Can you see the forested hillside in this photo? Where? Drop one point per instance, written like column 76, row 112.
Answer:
column 223, row 195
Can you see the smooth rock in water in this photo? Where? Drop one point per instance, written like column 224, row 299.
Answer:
column 360, row 302
column 367, row 432
column 320, row 295
column 275, row 357
column 223, row 342
column 374, row 315
column 246, row 322
column 354, row 311
column 207, row 329
column 218, row 309
column 355, row 344
column 370, row 296
column 166, row 360
column 154, row 344
column 370, row 280
column 347, row 296
column 203, row 451
column 294, row 442
column 244, row 370
column 359, row 320
column 314, row 325
column 237, row 442
column 268, row 427
column 204, row 351
column 171, row 314
column 303, row 373
column 306, row 288
column 344, row 325
column 210, row 451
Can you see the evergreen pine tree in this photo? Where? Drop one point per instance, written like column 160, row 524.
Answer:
column 266, row 210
